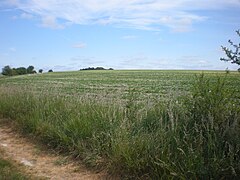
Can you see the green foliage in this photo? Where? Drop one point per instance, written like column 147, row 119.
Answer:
column 40, row 70
column 8, row 71
column 30, row 70
column 232, row 55
column 20, row 70
column 214, row 126
column 195, row 136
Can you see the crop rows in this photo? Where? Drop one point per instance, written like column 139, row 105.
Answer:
column 114, row 83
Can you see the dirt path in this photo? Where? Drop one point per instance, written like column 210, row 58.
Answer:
column 39, row 163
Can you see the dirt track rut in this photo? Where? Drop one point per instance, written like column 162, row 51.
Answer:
column 39, row 163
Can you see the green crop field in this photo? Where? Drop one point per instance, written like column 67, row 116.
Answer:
column 158, row 124
column 147, row 83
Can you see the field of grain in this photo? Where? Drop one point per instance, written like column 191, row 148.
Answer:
column 138, row 124
column 147, row 83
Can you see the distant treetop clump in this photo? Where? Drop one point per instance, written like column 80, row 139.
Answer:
column 8, row 71
column 97, row 68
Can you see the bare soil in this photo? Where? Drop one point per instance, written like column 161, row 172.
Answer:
column 40, row 163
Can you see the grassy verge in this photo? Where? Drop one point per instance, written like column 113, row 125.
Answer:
column 195, row 137
column 9, row 171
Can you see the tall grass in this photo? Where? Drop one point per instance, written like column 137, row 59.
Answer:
column 191, row 137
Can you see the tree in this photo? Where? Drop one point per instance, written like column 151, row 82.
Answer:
column 7, row 71
column 21, row 70
column 14, row 72
column 30, row 69
column 40, row 70
column 50, row 70
column 232, row 55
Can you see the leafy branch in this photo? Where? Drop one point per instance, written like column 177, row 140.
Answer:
column 232, row 55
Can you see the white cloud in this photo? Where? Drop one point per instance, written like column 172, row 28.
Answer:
column 51, row 22
column 26, row 16
column 79, row 45
column 187, row 62
column 178, row 15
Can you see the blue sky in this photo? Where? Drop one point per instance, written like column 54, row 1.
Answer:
column 122, row 34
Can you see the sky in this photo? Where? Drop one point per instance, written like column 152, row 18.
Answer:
column 121, row 34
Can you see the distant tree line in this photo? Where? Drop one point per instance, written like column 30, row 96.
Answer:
column 97, row 68
column 8, row 71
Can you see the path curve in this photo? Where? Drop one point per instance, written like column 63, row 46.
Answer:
column 39, row 163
